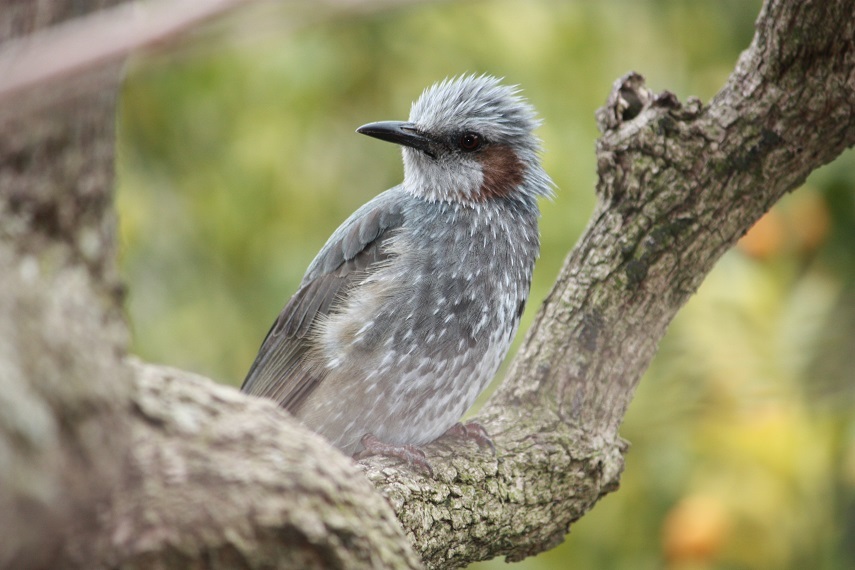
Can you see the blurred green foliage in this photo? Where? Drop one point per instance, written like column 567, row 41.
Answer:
column 238, row 158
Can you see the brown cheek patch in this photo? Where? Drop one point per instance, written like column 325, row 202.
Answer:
column 502, row 170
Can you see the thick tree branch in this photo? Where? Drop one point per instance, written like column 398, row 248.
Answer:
column 234, row 479
column 164, row 469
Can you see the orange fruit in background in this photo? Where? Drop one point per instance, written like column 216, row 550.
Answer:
column 766, row 237
column 799, row 224
column 695, row 530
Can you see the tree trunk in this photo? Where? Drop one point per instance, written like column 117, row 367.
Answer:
column 109, row 462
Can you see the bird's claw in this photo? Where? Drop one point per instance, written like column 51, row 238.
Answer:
column 410, row 453
column 472, row 431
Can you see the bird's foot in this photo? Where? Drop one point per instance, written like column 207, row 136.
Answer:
column 472, row 431
column 410, row 453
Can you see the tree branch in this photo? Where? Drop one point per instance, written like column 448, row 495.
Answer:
column 168, row 470
column 678, row 185
column 234, row 479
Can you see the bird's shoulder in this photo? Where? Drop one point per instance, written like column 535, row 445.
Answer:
column 373, row 221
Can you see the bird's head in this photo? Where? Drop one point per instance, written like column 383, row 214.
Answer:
column 469, row 140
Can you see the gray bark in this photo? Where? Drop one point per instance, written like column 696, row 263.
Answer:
column 108, row 462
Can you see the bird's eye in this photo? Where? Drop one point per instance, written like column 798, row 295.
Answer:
column 470, row 141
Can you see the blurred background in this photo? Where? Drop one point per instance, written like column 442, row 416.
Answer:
column 238, row 158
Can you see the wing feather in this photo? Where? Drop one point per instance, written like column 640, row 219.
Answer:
column 281, row 370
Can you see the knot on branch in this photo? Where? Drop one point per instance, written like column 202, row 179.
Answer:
column 644, row 132
column 630, row 96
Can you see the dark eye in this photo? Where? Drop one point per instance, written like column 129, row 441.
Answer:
column 470, row 141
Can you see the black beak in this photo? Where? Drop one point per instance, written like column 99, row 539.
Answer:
column 398, row 132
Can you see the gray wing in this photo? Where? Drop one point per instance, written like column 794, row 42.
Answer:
column 281, row 370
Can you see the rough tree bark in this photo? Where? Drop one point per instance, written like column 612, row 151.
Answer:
column 108, row 462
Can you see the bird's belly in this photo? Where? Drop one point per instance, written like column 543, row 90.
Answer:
column 413, row 403
column 410, row 374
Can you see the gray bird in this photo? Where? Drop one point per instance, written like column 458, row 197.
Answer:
column 406, row 313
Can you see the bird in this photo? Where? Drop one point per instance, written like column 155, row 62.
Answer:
column 406, row 313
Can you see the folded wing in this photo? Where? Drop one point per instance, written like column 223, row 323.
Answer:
column 284, row 369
